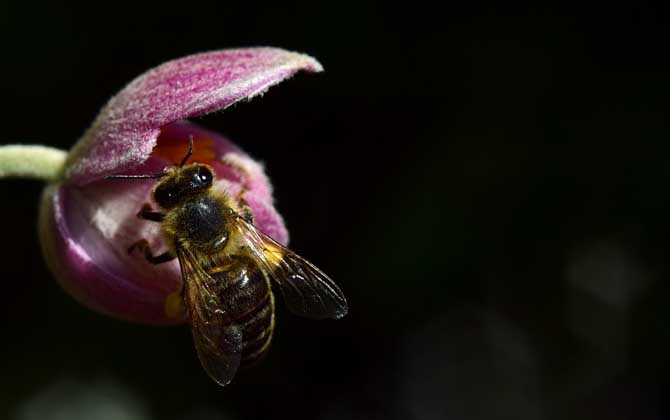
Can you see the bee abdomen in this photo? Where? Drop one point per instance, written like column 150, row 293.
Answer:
column 250, row 302
column 257, row 330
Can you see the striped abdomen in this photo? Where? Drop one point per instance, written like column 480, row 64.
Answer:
column 247, row 295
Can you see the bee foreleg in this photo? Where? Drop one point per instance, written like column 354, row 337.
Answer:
column 143, row 244
column 245, row 208
column 147, row 214
column 233, row 161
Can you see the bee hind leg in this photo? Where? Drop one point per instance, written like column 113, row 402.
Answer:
column 143, row 245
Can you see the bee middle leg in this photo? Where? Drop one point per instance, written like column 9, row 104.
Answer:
column 143, row 245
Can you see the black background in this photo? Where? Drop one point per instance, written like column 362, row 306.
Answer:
column 487, row 183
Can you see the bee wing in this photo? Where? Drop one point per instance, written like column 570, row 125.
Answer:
column 217, row 341
column 307, row 291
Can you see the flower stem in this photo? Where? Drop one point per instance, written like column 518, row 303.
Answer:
column 37, row 162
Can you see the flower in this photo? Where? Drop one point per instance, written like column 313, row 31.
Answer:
column 87, row 222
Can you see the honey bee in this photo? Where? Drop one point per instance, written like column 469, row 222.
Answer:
column 228, row 267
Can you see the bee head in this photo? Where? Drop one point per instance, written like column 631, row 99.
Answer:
column 180, row 184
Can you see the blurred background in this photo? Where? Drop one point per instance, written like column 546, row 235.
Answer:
column 487, row 184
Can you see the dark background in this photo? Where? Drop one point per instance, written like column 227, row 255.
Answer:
column 488, row 185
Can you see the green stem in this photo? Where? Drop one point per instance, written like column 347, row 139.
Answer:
column 37, row 162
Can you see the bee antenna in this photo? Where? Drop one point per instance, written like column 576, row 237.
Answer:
column 190, row 151
column 149, row 176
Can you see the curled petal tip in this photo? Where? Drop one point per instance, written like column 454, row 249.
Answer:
column 125, row 132
column 306, row 62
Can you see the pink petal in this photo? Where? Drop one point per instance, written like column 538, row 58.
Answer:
column 86, row 229
column 97, row 271
column 125, row 132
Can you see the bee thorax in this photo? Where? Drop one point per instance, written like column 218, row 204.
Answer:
column 201, row 223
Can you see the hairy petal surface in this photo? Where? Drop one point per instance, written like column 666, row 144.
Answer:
column 125, row 132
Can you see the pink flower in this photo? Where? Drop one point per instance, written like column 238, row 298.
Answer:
column 87, row 222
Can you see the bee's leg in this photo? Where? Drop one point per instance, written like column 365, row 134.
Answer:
column 143, row 245
column 245, row 208
column 147, row 214
column 232, row 161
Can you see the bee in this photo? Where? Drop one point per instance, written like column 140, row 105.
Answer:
column 228, row 268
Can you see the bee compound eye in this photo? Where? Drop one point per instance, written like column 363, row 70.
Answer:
column 164, row 197
column 205, row 176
